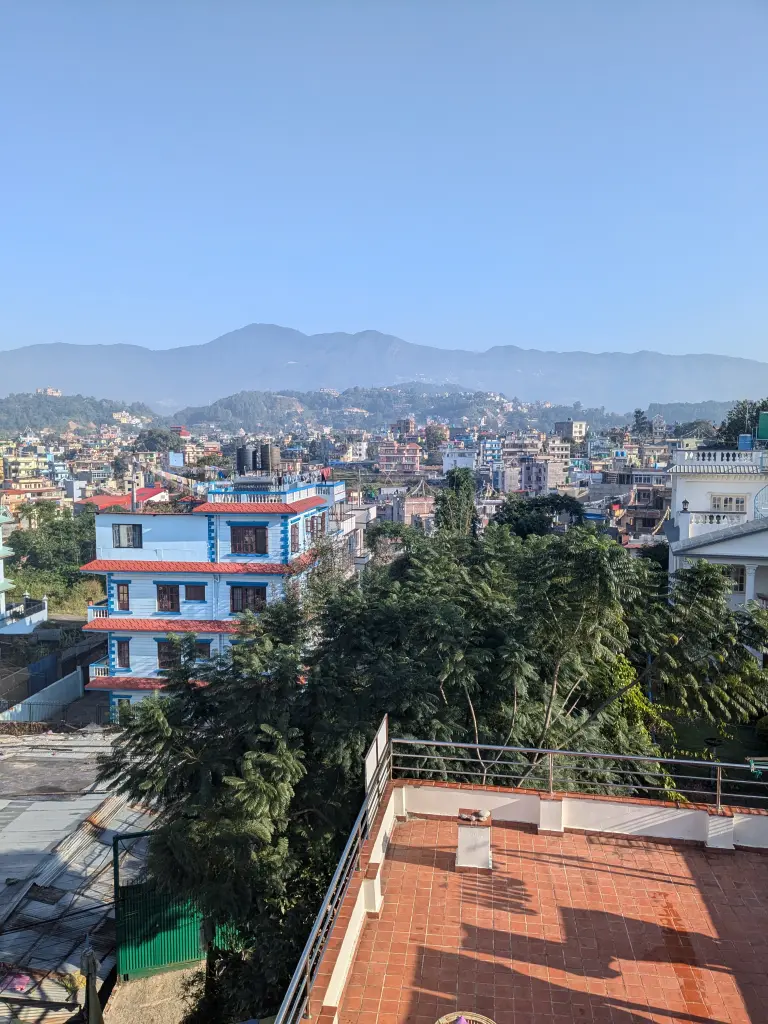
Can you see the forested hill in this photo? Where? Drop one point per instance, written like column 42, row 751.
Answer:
column 371, row 407
column 36, row 412
column 355, row 407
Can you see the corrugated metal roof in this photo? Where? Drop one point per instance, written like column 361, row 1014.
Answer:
column 720, row 468
column 62, row 853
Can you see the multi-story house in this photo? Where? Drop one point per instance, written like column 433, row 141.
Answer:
column 399, row 458
column 572, row 430
column 194, row 572
column 541, row 474
column 719, row 512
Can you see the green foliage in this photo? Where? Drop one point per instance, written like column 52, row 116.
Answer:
column 22, row 412
column 641, row 425
column 526, row 516
column 658, row 553
column 157, row 440
column 561, row 641
column 455, row 510
column 742, row 419
column 761, row 729
column 47, row 557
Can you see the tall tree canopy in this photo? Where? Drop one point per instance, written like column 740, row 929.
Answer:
column 455, row 505
column 742, row 419
column 560, row 641
column 537, row 515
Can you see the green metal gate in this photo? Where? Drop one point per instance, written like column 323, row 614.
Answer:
column 154, row 931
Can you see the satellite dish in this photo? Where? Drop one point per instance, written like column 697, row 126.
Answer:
column 761, row 504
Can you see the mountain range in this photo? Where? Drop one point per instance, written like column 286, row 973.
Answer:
column 268, row 357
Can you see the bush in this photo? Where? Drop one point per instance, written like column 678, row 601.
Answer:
column 761, row 729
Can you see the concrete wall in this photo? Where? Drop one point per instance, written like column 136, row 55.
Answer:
column 170, row 537
column 47, row 703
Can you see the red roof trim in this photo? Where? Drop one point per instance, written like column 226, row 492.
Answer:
column 127, row 625
column 262, row 508
column 225, row 568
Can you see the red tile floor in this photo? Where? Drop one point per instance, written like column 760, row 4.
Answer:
column 571, row 928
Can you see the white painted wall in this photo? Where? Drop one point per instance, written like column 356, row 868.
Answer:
column 171, row 537
column 144, row 650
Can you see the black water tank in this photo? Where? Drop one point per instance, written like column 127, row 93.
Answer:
column 245, row 457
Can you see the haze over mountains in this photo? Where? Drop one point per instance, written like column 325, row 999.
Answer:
column 268, row 357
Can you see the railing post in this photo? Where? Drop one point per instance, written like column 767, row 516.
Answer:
column 308, row 983
column 551, row 770
column 718, row 786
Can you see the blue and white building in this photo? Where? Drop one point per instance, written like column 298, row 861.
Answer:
column 196, row 572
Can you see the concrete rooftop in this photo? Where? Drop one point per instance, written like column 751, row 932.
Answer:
column 566, row 928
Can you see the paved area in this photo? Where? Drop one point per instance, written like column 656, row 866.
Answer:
column 570, row 928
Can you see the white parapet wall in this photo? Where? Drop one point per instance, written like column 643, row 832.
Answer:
column 609, row 815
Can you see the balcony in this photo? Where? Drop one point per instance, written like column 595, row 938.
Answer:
column 23, row 617
column 98, row 611
column 98, row 669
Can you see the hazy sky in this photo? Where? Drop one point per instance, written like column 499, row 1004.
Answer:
column 565, row 174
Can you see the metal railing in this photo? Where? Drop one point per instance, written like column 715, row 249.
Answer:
column 296, row 1002
column 98, row 611
column 558, row 771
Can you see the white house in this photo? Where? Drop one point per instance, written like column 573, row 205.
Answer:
column 720, row 513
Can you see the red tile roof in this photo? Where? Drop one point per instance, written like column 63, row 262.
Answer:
column 261, row 508
column 126, row 683
column 163, row 625
column 122, row 500
column 227, row 568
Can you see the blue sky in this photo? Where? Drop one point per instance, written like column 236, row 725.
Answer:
column 561, row 175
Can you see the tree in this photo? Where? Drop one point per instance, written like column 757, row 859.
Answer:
column 455, row 505
column 742, row 419
column 156, row 440
column 434, row 436
column 537, row 515
column 641, row 426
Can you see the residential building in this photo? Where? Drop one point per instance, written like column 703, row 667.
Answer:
column 399, row 458
column 540, row 474
column 406, row 507
column 459, row 458
column 572, row 430
column 177, row 573
column 144, row 496
column 5, row 552
column 719, row 509
column 404, row 426
column 49, row 392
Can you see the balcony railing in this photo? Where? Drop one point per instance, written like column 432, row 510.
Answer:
column 716, row 456
column 717, row 518
column 98, row 611
column 98, row 669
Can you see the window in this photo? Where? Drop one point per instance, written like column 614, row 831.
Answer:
column 168, row 655
column 167, row 597
column 243, row 599
column 249, row 540
column 123, row 653
column 738, row 579
column 729, row 503
column 294, row 538
column 194, row 592
column 128, row 536
column 123, row 599
column 202, row 648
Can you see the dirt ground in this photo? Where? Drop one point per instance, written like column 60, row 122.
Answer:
column 154, row 1000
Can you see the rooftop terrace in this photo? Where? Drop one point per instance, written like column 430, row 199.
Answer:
column 609, row 905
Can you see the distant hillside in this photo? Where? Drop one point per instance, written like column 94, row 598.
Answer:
column 355, row 407
column 273, row 358
column 36, row 412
